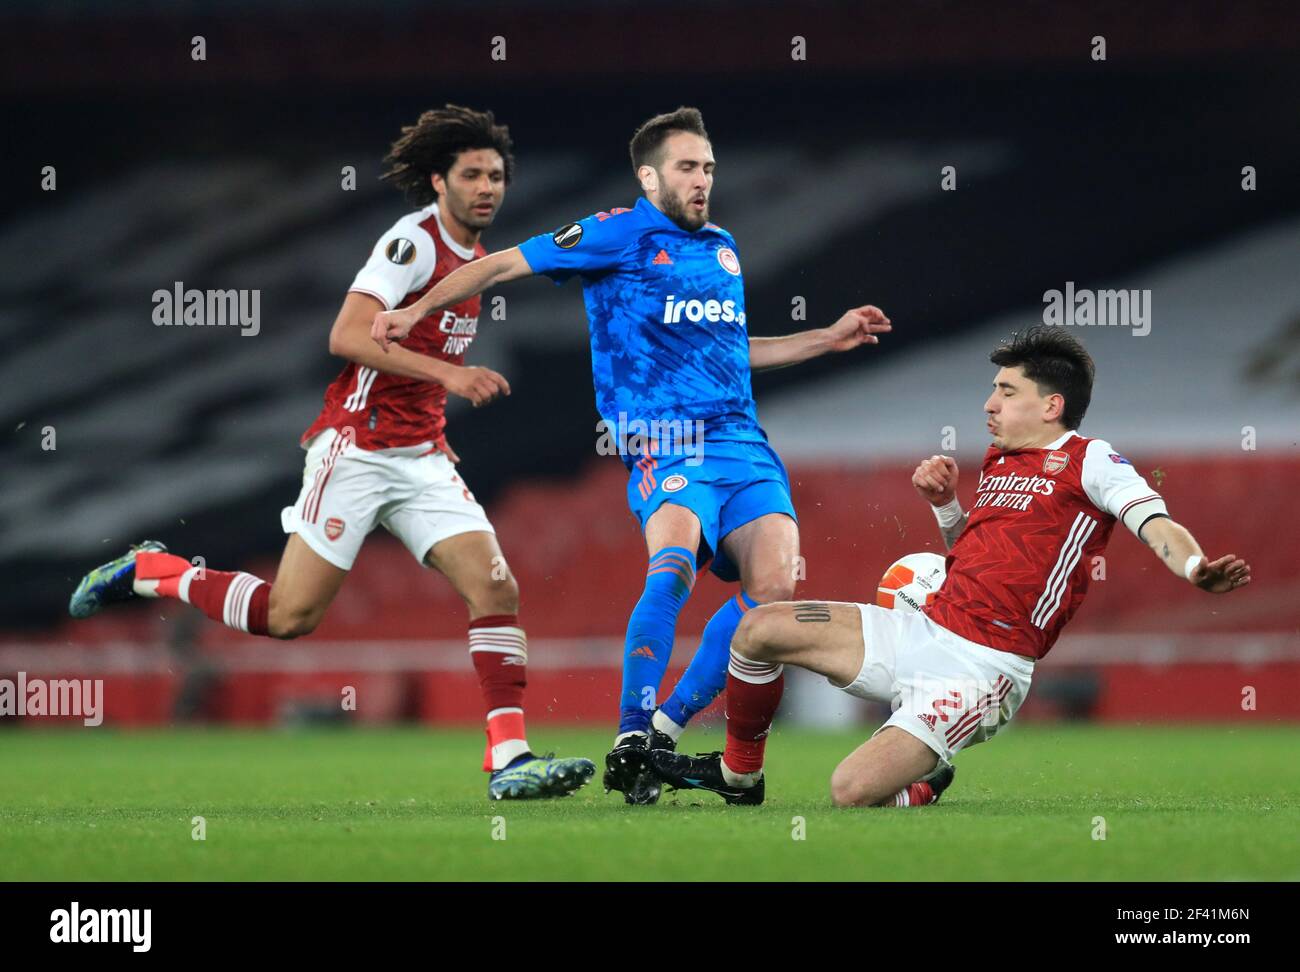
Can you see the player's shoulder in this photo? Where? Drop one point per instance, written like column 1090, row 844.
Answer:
column 615, row 220
column 410, row 238
column 1100, row 450
column 719, row 231
column 419, row 223
column 603, row 228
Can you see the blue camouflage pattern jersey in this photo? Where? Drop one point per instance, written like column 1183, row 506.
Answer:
column 666, row 315
column 670, row 352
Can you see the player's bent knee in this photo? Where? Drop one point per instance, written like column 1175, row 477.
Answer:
column 293, row 623
column 498, row 597
column 769, row 591
column 754, row 635
column 850, row 789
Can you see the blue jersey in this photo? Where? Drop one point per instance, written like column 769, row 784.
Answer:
column 666, row 314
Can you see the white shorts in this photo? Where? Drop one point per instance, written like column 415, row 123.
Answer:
column 346, row 491
column 946, row 691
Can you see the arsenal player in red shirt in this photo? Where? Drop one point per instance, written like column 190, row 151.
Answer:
column 1017, row 570
column 377, row 453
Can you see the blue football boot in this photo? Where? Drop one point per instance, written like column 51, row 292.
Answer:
column 109, row 583
column 530, row 777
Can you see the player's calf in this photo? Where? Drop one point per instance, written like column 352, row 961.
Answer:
column 287, row 619
column 893, row 768
column 236, row 599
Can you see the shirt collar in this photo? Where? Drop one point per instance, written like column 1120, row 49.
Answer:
column 465, row 253
column 1051, row 445
column 654, row 213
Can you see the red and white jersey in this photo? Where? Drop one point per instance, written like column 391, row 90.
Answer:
column 387, row 411
column 1020, row 568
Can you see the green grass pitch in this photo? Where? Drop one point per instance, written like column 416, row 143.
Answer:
column 1179, row 803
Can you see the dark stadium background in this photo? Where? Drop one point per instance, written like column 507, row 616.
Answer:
column 225, row 173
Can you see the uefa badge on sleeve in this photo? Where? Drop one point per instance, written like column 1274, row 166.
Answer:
column 1054, row 462
column 567, row 236
column 400, row 251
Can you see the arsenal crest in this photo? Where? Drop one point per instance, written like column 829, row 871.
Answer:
column 333, row 528
column 1054, row 462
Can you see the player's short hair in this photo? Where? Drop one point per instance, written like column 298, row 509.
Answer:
column 433, row 144
column 1054, row 360
column 647, row 144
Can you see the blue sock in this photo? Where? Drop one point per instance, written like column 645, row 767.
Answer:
column 706, row 675
column 649, row 643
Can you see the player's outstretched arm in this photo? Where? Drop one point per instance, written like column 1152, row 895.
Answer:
column 936, row 480
column 1179, row 551
column 389, row 327
column 857, row 327
column 350, row 339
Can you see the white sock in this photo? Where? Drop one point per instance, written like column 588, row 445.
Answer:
column 666, row 725
column 742, row 780
column 618, row 740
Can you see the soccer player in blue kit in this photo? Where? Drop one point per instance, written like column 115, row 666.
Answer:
column 670, row 357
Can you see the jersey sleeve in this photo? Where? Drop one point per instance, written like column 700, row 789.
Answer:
column 402, row 262
column 587, row 247
column 1115, row 486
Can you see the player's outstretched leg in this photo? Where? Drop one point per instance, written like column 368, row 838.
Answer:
column 498, row 647
column 670, row 577
column 825, row 638
column 753, row 693
column 704, row 679
column 305, row 586
column 765, row 549
column 706, row 676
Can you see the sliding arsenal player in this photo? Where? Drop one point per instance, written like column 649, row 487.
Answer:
column 1017, row 570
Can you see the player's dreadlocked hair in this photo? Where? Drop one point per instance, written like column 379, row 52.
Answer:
column 1054, row 360
column 433, row 143
column 648, row 142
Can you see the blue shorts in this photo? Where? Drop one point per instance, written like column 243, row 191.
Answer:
column 735, row 483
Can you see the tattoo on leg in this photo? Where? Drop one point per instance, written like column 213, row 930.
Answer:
column 812, row 611
column 1166, row 552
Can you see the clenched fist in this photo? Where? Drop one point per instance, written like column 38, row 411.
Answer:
column 936, row 479
column 389, row 327
column 479, row 385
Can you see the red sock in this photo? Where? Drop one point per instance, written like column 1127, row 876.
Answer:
column 912, row 795
column 753, row 694
column 236, row 599
column 499, row 650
